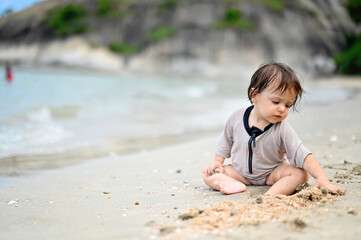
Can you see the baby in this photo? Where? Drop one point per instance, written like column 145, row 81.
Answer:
column 264, row 148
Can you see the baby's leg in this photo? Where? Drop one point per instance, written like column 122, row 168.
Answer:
column 285, row 178
column 228, row 182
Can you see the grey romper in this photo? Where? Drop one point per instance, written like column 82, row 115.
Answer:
column 256, row 153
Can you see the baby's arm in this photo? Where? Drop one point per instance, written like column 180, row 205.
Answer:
column 312, row 166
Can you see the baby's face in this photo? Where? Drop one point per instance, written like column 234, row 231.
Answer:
column 273, row 106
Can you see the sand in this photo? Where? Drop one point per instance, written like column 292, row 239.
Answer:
column 227, row 215
column 142, row 195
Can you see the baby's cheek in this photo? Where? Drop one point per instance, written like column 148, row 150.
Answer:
column 286, row 114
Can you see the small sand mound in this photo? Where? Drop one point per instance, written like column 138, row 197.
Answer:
column 279, row 208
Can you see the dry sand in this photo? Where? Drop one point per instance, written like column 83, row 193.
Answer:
column 141, row 196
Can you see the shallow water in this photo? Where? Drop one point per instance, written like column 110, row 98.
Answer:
column 47, row 113
column 52, row 118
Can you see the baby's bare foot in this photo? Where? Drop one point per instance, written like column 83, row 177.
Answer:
column 231, row 187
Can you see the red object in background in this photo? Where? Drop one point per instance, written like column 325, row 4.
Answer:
column 9, row 76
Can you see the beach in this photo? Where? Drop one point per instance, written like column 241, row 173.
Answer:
column 140, row 195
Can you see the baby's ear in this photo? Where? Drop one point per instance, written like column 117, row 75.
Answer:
column 252, row 94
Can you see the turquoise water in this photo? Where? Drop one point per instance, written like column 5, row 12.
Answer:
column 54, row 110
column 57, row 115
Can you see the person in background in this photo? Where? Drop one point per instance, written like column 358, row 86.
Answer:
column 9, row 74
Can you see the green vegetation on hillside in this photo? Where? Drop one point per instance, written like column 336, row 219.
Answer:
column 71, row 18
column 104, row 7
column 354, row 10
column 166, row 5
column 67, row 20
column 273, row 4
column 123, row 48
column 349, row 62
column 233, row 19
column 111, row 8
column 160, row 33
column 6, row 12
column 157, row 34
column 276, row 5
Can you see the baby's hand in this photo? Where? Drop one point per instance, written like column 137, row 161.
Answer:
column 214, row 167
column 324, row 182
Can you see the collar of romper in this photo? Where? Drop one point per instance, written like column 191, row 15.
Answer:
column 253, row 131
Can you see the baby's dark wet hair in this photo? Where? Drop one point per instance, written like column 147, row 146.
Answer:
column 279, row 74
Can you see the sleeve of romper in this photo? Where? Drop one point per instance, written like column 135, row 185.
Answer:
column 295, row 150
column 225, row 142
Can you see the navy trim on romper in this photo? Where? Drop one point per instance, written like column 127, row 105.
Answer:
column 253, row 132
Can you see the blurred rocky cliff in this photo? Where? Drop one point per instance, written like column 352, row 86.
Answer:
column 209, row 37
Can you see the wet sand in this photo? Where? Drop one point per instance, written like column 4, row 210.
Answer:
column 142, row 195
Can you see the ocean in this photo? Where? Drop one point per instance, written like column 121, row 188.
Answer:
column 51, row 118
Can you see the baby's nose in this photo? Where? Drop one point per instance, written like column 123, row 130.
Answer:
column 281, row 108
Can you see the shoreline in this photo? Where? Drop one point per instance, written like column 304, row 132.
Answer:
column 65, row 122
column 32, row 161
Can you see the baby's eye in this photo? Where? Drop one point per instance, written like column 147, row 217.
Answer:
column 288, row 106
column 275, row 102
